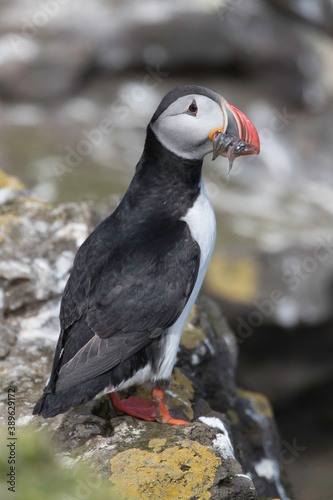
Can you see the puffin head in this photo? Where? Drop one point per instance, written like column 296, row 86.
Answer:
column 192, row 121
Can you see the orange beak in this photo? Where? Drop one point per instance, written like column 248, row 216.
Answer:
column 237, row 136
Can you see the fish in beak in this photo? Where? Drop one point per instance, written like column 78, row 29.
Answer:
column 236, row 137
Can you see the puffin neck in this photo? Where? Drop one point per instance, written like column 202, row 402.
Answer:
column 169, row 184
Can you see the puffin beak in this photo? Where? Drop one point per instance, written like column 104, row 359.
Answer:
column 236, row 137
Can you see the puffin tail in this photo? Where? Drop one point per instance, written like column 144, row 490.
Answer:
column 54, row 402
column 38, row 409
column 50, row 405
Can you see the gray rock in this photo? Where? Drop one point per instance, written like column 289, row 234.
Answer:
column 232, row 436
column 316, row 14
column 47, row 53
column 287, row 288
column 7, row 339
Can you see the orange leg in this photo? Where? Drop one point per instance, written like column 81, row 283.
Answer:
column 144, row 409
column 162, row 413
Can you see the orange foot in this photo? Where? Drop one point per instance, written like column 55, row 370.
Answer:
column 144, row 409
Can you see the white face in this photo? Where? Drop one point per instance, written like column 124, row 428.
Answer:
column 186, row 134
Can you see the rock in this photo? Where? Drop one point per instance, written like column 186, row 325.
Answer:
column 229, row 449
column 37, row 270
column 318, row 14
column 183, row 463
column 289, row 288
column 47, row 51
column 8, row 338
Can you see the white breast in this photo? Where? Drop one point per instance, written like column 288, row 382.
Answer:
column 201, row 221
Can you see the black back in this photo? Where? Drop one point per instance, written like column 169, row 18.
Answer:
column 130, row 281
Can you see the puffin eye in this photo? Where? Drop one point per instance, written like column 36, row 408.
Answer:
column 193, row 108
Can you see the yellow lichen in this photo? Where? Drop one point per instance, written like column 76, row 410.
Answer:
column 32, row 202
column 191, row 336
column 180, row 392
column 178, row 378
column 9, row 181
column 260, row 403
column 156, row 444
column 233, row 279
column 193, row 314
column 181, row 472
column 6, row 219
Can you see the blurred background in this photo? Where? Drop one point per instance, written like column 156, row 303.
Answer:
column 78, row 85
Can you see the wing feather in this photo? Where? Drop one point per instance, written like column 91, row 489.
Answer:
column 134, row 295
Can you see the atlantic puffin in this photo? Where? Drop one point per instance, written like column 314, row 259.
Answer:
column 136, row 277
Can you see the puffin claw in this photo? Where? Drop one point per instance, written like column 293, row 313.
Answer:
column 134, row 406
column 162, row 413
column 174, row 421
column 138, row 407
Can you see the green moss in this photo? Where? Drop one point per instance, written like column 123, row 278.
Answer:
column 41, row 474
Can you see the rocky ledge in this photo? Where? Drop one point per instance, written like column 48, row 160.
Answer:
column 229, row 450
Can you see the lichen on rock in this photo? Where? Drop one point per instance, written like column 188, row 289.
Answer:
column 182, row 472
column 225, row 450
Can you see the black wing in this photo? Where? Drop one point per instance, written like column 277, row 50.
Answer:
column 123, row 299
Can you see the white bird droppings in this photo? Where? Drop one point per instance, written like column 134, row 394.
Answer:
column 221, row 443
column 269, row 469
column 265, row 468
